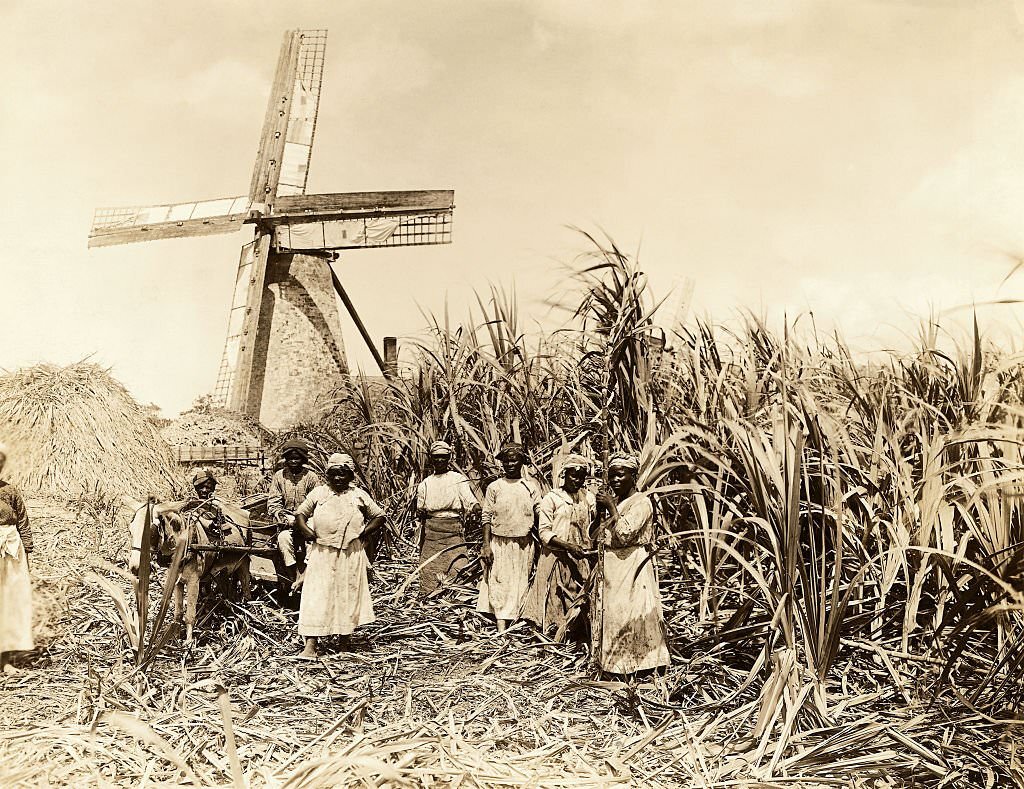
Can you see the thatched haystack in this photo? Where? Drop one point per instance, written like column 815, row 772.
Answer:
column 205, row 424
column 75, row 431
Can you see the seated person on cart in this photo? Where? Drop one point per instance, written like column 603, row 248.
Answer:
column 213, row 509
column 288, row 490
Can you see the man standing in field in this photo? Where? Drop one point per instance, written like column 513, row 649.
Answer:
column 288, row 490
column 508, row 519
column 443, row 501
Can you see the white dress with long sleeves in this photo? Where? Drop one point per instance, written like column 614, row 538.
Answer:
column 631, row 624
column 508, row 511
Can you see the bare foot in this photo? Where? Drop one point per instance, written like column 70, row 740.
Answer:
column 309, row 653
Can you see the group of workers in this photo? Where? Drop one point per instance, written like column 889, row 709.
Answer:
column 576, row 564
column 540, row 551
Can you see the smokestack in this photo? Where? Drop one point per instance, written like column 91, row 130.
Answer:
column 391, row 356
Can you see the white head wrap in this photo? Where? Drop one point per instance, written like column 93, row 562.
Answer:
column 440, row 448
column 575, row 461
column 341, row 460
column 625, row 461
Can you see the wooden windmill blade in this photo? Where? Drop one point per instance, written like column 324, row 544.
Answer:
column 173, row 220
column 356, row 220
column 286, row 142
column 239, row 344
column 302, row 114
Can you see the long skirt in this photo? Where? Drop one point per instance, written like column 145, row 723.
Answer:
column 335, row 592
column 557, row 595
column 504, row 584
column 630, row 621
column 15, row 602
column 440, row 534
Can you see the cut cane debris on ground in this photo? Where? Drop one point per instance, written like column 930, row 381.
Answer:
column 430, row 696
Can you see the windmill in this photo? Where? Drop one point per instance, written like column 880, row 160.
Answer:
column 284, row 347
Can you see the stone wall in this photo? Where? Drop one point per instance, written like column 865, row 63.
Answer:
column 301, row 354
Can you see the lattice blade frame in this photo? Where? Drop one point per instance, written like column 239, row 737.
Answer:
column 302, row 115
column 291, row 118
column 236, row 360
column 171, row 220
column 364, row 232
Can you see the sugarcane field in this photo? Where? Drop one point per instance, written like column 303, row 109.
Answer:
column 693, row 456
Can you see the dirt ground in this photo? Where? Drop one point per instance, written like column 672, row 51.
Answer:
column 428, row 695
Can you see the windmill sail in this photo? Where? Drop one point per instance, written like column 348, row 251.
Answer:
column 305, row 103
column 173, row 220
column 245, row 306
column 355, row 220
column 286, row 143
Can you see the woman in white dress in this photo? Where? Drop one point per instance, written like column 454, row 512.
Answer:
column 630, row 629
column 336, row 517
column 15, row 586
column 509, row 515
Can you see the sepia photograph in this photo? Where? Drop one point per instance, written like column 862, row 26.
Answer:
column 512, row 393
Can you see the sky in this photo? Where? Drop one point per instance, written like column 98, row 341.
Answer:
column 858, row 162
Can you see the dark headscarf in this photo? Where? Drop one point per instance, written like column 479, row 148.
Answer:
column 295, row 445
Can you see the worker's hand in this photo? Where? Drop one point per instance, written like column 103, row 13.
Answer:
column 486, row 554
column 289, row 519
column 421, row 514
column 576, row 551
column 604, row 499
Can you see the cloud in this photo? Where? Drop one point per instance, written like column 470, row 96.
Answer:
column 976, row 192
column 782, row 74
column 221, row 83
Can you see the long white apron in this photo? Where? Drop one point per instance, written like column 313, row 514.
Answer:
column 15, row 593
column 336, row 592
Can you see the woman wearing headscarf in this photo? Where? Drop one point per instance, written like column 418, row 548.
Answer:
column 15, row 586
column 443, row 502
column 337, row 517
column 557, row 594
column 509, row 513
column 630, row 628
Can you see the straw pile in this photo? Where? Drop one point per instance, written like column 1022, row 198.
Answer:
column 429, row 696
column 76, row 433
column 205, row 426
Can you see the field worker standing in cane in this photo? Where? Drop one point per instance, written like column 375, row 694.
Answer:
column 556, row 599
column 508, row 518
column 444, row 501
column 630, row 625
column 336, row 592
column 15, row 586
column 288, row 489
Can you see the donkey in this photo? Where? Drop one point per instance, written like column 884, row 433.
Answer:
column 178, row 521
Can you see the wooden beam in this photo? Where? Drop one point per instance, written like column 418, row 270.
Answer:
column 242, row 397
column 358, row 322
column 417, row 202
column 267, row 170
column 185, row 229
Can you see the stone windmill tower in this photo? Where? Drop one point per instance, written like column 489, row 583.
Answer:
column 284, row 347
